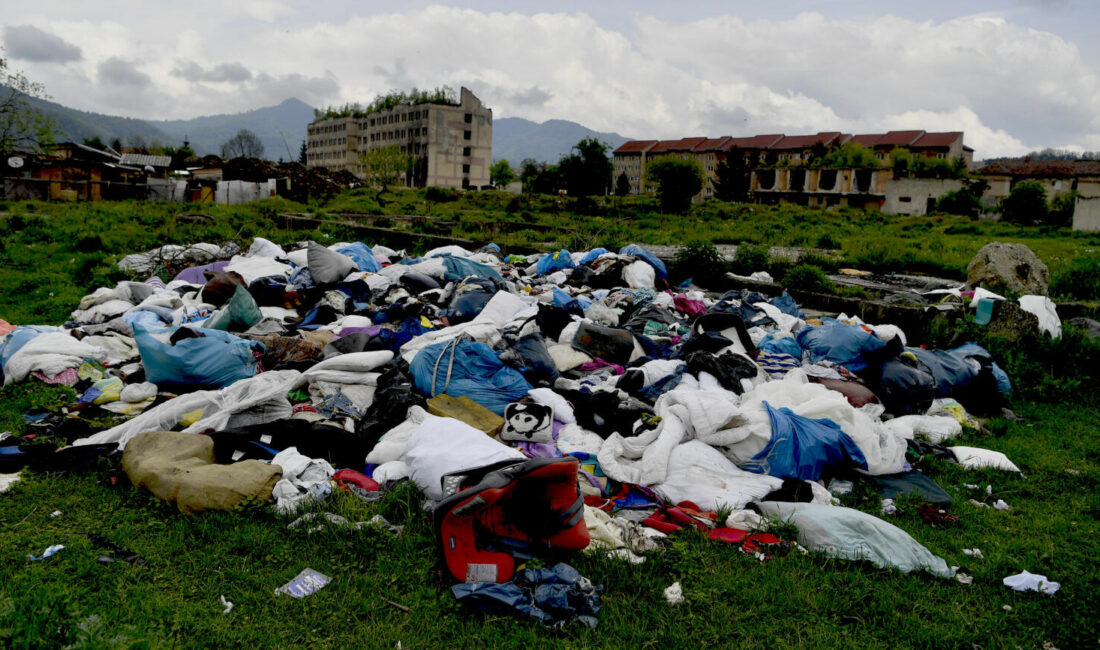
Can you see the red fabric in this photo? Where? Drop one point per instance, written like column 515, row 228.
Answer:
column 669, row 519
column 731, row 535
column 348, row 477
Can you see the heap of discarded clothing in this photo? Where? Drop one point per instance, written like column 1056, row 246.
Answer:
column 544, row 404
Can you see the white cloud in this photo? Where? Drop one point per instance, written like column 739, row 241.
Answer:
column 1011, row 88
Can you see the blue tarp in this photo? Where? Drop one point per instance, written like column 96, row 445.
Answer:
column 802, row 448
column 949, row 369
column 554, row 262
column 784, row 344
column 460, row 267
column 461, row 368
column 362, row 255
column 972, row 349
column 593, row 254
column 216, row 359
column 842, row 344
column 637, row 251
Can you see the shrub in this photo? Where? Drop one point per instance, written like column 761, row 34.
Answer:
column 961, row 202
column 1026, row 203
column 823, row 262
column 750, row 257
column 808, row 278
column 828, row 242
column 440, row 194
column 701, row 262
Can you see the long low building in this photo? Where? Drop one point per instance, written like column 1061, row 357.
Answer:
column 778, row 151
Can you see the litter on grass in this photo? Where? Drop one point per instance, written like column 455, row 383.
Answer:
column 542, row 404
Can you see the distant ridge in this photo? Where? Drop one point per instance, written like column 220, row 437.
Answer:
column 282, row 128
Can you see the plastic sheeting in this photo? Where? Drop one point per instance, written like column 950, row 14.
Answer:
column 466, row 368
column 804, row 448
column 853, row 535
column 641, row 252
column 213, row 360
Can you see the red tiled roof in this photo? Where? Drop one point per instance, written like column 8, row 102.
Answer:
column 711, row 144
column 800, row 142
column 899, row 138
column 930, row 140
column 635, row 146
column 1043, row 168
column 867, row 139
column 752, row 142
column 689, row 144
column 663, row 146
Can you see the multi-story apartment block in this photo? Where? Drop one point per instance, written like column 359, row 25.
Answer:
column 450, row 143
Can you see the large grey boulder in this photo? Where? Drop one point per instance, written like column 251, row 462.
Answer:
column 1011, row 266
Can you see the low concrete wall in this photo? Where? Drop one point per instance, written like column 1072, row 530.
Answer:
column 1086, row 214
column 909, row 196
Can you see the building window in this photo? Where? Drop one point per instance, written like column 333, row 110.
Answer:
column 468, row 118
column 905, row 199
column 465, row 135
column 466, row 151
column 940, row 156
column 466, row 168
column 424, row 131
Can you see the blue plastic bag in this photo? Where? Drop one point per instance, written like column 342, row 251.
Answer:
column 637, row 251
column 842, row 344
column 784, row 344
column 802, row 448
column 555, row 262
column 215, row 360
column 462, row 368
column 362, row 256
column 592, row 254
column 460, row 267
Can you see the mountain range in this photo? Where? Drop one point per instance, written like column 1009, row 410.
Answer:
column 282, row 129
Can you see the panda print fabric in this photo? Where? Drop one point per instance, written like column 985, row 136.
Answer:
column 528, row 422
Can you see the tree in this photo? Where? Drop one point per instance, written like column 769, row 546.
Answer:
column 902, row 160
column 116, row 144
column 732, row 178
column 20, row 124
column 245, row 144
column 1026, row 203
column 586, row 171
column 850, row 154
column 302, row 155
column 384, row 166
column 95, row 143
column 622, row 185
column 529, row 171
column 1062, row 206
column 501, row 174
column 677, row 181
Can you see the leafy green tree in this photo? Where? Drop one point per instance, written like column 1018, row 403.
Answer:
column 1062, row 206
column 961, row 202
column 902, row 160
column 384, row 166
column 586, row 171
column 529, row 171
column 21, row 125
column 303, row 157
column 501, row 174
column 677, row 180
column 622, row 185
column 245, row 144
column 1026, row 203
column 850, row 154
column 95, row 143
column 732, row 178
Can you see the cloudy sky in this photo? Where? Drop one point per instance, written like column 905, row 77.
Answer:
column 1015, row 75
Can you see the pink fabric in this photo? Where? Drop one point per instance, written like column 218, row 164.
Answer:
column 64, row 378
column 5, row 327
column 692, row 307
column 597, row 363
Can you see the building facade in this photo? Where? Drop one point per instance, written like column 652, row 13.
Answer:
column 451, row 145
column 790, row 151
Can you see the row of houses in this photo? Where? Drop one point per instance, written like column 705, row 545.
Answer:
column 778, row 149
column 71, row 171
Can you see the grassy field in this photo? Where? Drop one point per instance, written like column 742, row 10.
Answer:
column 732, row 599
column 53, row 254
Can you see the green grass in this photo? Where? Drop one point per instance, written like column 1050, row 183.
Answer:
column 732, row 599
column 52, row 254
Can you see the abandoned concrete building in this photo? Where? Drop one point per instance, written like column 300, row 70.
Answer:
column 449, row 143
column 781, row 169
